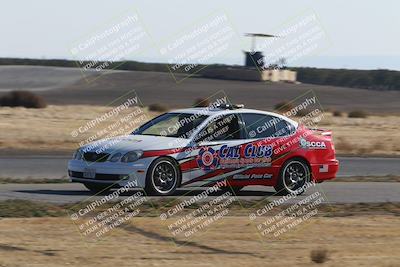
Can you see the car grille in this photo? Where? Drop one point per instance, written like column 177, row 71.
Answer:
column 95, row 157
column 99, row 176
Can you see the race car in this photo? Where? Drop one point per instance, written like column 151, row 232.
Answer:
column 204, row 146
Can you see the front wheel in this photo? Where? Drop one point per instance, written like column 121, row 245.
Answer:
column 294, row 175
column 163, row 177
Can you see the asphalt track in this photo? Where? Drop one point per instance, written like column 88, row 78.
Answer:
column 332, row 192
column 30, row 167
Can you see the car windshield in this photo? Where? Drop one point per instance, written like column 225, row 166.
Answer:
column 179, row 125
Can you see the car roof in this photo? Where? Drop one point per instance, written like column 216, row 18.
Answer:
column 213, row 111
column 216, row 111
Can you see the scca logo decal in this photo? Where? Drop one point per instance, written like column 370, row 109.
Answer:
column 311, row 144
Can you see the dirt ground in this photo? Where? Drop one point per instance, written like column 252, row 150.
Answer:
column 371, row 240
column 50, row 129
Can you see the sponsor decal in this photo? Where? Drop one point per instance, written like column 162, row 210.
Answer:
column 252, row 176
column 207, row 158
column 312, row 144
column 235, row 156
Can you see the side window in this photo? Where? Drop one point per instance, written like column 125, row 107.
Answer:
column 258, row 125
column 221, row 128
column 281, row 128
column 263, row 126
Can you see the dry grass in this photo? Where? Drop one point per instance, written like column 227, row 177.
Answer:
column 319, row 255
column 157, row 107
column 22, row 99
column 283, row 106
column 201, row 102
column 387, row 178
column 337, row 113
column 375, row 135
column 232, row 241
column 357, row 114
column 50, row 129
column 10, row 180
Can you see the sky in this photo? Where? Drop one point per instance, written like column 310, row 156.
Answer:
column 362, row 34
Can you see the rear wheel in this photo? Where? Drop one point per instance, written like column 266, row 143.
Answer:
column 98, row 188
column 163, row 177
column 294, row 174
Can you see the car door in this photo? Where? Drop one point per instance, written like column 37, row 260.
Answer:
column 265, row 135
column 220, row 136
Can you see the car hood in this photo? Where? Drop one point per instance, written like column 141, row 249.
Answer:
column 133, row 142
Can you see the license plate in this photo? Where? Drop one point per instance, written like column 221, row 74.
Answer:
column 89, row 173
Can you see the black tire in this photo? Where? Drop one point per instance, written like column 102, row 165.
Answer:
column 98, row 188
column 294, row 174
column 163, row 177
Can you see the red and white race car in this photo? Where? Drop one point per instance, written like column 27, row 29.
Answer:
column 203, row 146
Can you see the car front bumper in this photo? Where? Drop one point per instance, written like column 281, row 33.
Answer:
column 115, row 173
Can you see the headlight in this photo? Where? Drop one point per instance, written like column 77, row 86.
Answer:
column 115, row 157
column 132, row 156
column 77, row 155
